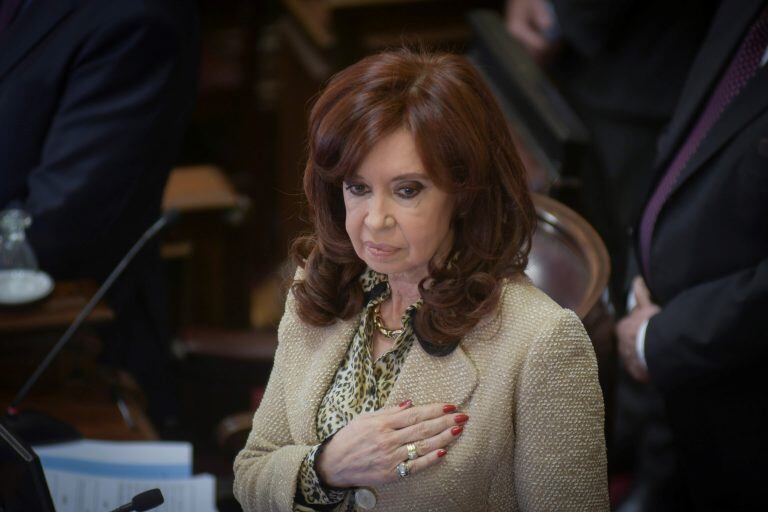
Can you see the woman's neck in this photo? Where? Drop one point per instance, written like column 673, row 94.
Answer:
column 404, row 291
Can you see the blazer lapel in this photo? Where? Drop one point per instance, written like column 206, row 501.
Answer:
column 429, row 379
column 730, row 23
column 423, row 378
column 750, row 103
column 33, row 24
column 314, row 380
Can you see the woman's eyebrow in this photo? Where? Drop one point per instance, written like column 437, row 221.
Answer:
column 411, row 176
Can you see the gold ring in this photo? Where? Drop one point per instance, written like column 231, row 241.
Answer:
column 412, row 453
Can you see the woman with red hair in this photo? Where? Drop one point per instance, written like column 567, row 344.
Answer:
column 418, row 368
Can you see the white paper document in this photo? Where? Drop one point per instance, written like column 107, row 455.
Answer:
column 140, row 459
column 75, row 492
column 99, row 476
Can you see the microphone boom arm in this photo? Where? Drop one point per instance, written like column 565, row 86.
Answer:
column 159, row 224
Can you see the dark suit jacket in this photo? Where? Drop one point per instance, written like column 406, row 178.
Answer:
column 622, row 68
column 629, row 58
column 93, row 100
column 707, row 350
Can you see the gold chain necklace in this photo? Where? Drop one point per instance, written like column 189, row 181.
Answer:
column 392, row 334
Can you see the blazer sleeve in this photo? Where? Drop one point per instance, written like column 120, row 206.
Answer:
column 714, row 328
column 559, row 453
column 266, row 470
column 114, row 133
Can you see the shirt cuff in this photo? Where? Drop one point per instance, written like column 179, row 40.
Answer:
column 640, row 343
column 310, row 489
column 631, row 301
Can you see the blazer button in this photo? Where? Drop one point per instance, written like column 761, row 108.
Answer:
column 365, row 498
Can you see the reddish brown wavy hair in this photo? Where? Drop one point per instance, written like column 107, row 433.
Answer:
column 463, row 141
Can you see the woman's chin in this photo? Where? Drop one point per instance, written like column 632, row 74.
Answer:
column 384, row 265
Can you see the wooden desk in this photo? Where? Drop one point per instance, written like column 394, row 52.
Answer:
column 210, row 247
column 199, row 188
column 88, row 405
column 56, row 311
column 84, row 401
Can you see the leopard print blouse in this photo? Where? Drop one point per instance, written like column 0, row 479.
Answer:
column 360, row 385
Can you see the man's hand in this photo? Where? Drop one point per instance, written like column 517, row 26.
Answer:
column 528, row 21
column 626, row 330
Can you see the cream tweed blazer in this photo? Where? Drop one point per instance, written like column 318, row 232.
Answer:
column 527, row 377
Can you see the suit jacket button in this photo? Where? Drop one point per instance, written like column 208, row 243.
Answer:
column 365, row 498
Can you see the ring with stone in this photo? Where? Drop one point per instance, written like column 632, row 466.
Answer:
column 403, row 469
column 412, row 453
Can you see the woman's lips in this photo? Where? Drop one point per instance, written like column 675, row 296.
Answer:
column 380, row 250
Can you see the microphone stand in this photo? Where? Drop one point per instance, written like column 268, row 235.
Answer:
column 40, row 428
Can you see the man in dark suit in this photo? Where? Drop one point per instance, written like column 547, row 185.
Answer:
column 699, row 332
column 94, row 97
column 621, row 65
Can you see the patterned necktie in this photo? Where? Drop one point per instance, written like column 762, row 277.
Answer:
column 8, row 11
column 743, row 66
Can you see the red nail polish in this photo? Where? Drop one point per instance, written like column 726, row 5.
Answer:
column 461, row 418
column 457, row 430
column 406, row 403
column 441, row 453
column 449, row 408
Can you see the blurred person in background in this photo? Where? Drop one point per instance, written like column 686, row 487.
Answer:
column 94, row 98
column 698, row 332
column 622, row 65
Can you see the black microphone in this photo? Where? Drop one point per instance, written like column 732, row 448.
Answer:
column 147, row 500
column 35, row 433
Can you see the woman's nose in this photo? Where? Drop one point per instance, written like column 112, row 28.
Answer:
column 378, row 215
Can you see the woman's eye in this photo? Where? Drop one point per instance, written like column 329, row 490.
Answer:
column 356, row 189
column 409, row 191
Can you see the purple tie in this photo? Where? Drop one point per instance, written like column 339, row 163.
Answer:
column 8, row 10
column 743, row 66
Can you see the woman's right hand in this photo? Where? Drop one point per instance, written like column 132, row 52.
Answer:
column 366, row 452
